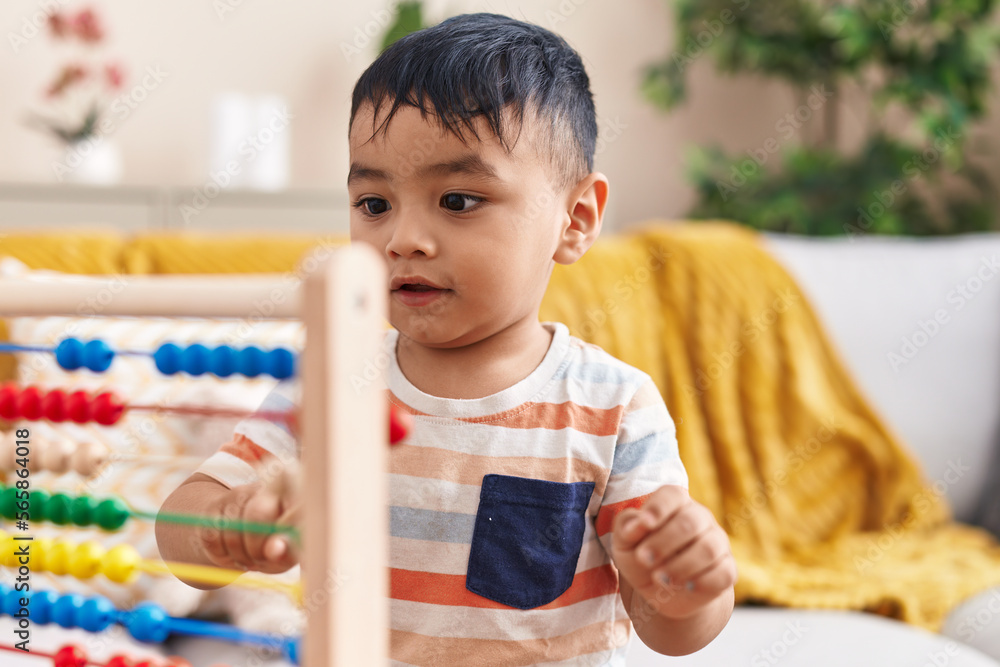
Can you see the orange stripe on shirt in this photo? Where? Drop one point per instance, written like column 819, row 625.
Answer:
column 606, row 515
column 449, row 589
column 555, row 416
column 246, row 450
column 416, row 649
column 462, row 468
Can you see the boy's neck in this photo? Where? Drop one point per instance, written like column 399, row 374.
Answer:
column 474, row 371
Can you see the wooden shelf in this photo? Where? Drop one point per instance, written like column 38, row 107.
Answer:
column 38, row 206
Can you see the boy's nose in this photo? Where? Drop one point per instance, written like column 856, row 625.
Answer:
column 411, row 236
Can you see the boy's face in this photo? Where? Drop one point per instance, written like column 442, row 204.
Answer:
column 468, row 254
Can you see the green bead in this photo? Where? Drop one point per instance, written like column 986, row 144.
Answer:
column 38, row 504
column 82, row 510
column 111, row 514
column 8, row 498
column 57, row 508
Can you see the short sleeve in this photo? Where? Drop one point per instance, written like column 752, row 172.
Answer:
column 256, row 441
column 646, row 457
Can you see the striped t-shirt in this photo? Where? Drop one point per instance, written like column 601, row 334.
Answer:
column 502, row 507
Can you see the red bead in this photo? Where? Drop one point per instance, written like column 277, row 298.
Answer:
column 29, row 403
column 78, row 407
column 70, row 656
column 400, row 423
column 107, row 408
column 8, row 401
column 120, row 661
column 54, row 406
column 147, row 663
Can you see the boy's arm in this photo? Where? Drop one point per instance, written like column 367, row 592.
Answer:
column 675, row 636
column 684, row 541
column 198, row 494
column 646, row 506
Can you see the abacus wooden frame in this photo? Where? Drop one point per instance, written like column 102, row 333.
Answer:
column 343, row 421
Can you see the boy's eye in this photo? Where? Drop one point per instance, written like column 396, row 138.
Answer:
column 374, row 206
column 454, row 201
column 380, row 206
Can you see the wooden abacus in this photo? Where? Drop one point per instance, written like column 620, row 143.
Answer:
column 344, row 429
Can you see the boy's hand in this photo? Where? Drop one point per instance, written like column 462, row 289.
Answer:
column 683, row 542
column 240, row 550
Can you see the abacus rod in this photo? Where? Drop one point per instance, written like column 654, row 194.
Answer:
column 218, row 575
column 159, row 296
column 197, row 628
column 217, row 522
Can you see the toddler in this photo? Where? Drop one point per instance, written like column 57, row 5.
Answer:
column 539, row 509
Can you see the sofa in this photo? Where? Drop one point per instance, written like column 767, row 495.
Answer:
column 917, row 324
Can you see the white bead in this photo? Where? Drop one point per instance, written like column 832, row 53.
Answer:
column 90, row 457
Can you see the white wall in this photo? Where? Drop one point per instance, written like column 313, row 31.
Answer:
column 294, row 49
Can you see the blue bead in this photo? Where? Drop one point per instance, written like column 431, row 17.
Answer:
column 293, row 649
column 69, row 354
column 223, row 361
column 96, row 614
column 194, row 359
column 40, row 606
column 168, row 358
column 66, row 610
column 252, row 361
column 97, row 355
column 11, row 601
column 282, row 363
column 147, row 622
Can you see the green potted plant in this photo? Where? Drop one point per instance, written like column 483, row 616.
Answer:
column 930, row 60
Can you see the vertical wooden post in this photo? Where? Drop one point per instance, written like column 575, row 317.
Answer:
column 345, row 447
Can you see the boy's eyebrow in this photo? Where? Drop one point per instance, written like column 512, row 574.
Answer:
column 472, row 164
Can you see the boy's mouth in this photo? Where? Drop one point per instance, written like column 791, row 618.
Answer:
column 415, row 291
column 413, row 284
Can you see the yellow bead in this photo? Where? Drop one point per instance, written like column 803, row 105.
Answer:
column 7, row 550
column 58, row 556
column 85, row 561
column 121, row 563
column 40, row 554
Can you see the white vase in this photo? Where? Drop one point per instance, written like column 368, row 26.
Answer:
column 91, row 161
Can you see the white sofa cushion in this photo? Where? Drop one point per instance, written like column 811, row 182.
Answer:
column 762, row 637
column 917, row 323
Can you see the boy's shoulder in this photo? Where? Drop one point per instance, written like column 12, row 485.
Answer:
column 589, row 361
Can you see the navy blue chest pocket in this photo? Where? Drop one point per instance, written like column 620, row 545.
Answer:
column 526, row 540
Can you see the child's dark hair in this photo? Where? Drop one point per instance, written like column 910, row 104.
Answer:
column 478, row 64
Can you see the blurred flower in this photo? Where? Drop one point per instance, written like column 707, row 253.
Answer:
column 114, row 76
column 59, row 25
column 83, row 88
column 70, row 75
column 87, row 27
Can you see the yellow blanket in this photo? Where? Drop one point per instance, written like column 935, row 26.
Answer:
column 824, row 505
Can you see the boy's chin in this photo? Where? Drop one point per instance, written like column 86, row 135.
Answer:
column 437, row 335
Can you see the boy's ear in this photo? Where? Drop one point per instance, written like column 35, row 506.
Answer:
column 584, row 215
